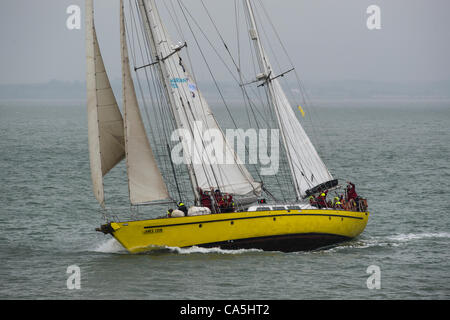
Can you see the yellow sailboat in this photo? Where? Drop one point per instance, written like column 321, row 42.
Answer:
column 227, row 207
column 278, row 230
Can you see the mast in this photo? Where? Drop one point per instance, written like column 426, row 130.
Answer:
column 266, row 74
column 308, row 171
column 191, row 112
column 149, row 21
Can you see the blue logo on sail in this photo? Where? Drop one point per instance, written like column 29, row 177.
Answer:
column 174, row 82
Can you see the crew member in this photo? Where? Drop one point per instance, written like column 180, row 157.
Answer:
column 322, row 200
column 183, row 208
column 337, row 203
column 352, row 196
column 205, row 199
column 351, row 192
column 218, row 201
column 312, row 201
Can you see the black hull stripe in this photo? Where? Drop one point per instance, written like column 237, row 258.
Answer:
column 283, row 243
column 255, row 217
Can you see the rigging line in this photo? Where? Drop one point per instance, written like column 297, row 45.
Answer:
column 174, row 22
column 132, row 32
column 215, row 82
column 220, row 36
column 236, row 14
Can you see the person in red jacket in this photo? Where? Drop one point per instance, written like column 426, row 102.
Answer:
column 205, row 199
column 351, row 192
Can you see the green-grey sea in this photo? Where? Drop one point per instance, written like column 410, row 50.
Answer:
column 396, row 152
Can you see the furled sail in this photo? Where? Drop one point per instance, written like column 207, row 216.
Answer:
column 145, row 182
column 307, row 168
column 192, row 113
column 105, row 124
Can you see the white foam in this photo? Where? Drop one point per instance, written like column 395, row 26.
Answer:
column 113, row 246
column 195, row 249
column 418, row 236
column 110, row 246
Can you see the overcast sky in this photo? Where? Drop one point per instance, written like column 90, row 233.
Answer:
column 326, row 39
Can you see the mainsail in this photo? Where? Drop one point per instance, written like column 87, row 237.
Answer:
column 105, row 124
column 145, row 182
column 192, row 113
column 306, row 166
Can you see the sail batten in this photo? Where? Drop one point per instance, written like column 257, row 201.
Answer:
column 105, row 124
column 145, row 182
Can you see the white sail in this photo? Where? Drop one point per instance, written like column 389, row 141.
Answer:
column 307, row 168
column 105, row 124
column 145, row 182
column 192, row 113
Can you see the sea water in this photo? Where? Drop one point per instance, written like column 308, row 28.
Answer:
column 396, row 152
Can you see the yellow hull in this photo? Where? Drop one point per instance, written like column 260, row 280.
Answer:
column 281, row 230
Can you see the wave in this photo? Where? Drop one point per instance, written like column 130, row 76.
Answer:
column 388, row 241
column 418, row 236
column 113, row 246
